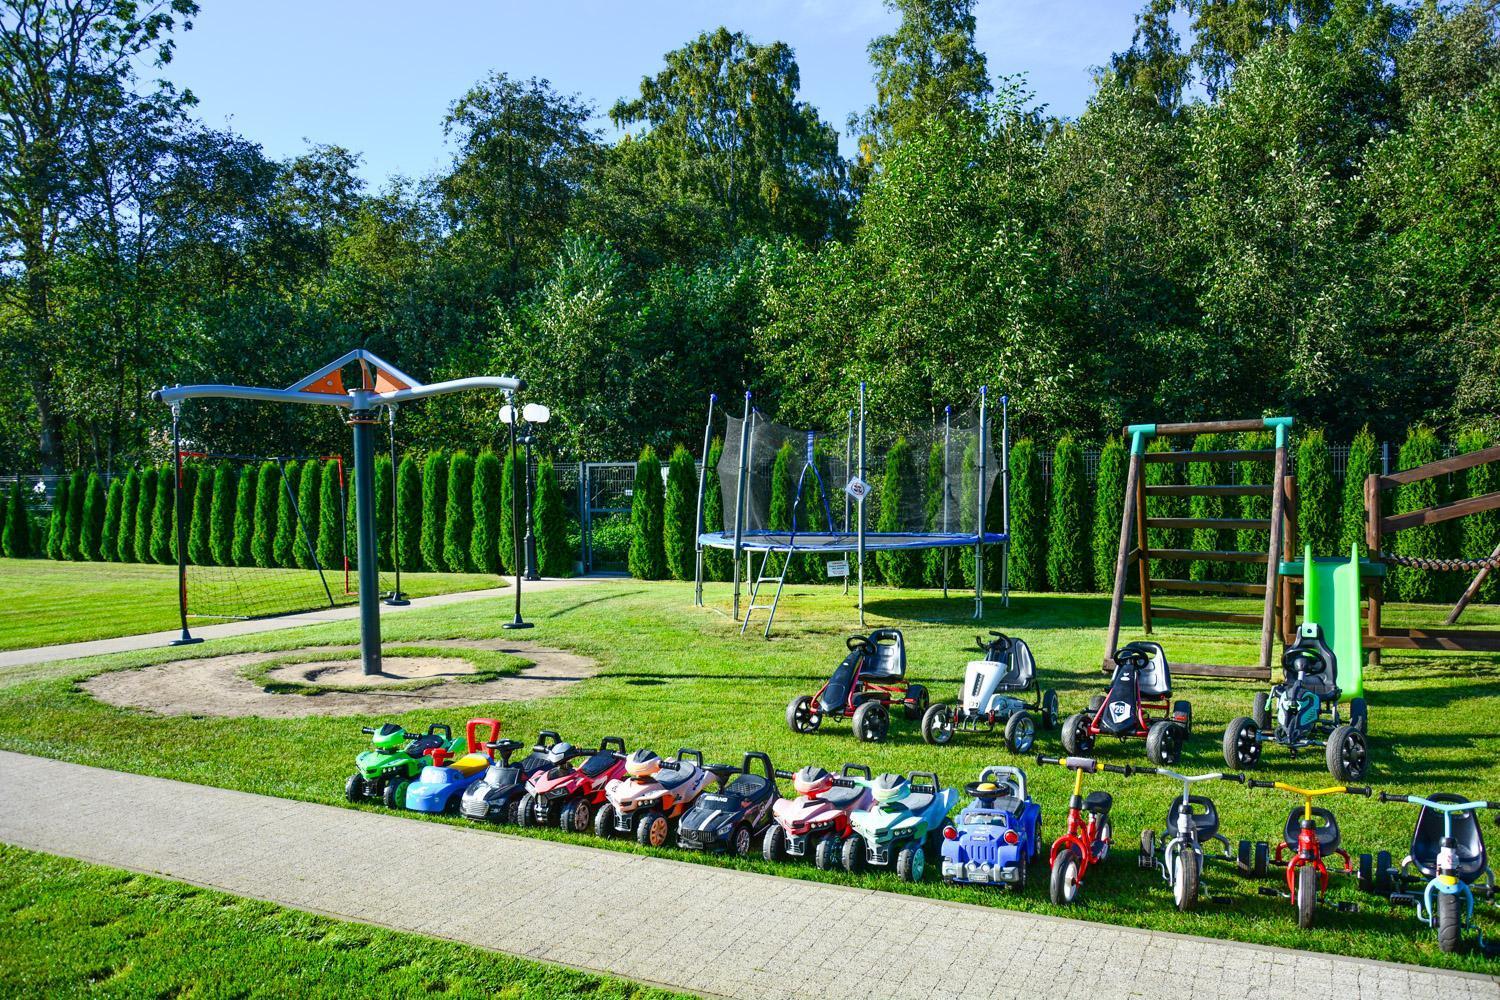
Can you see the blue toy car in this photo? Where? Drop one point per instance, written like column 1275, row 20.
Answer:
column 997, row 834
column 441, row 785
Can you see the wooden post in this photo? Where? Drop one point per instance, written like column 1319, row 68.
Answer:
column 1278, row 507
column 1122, row 558
column 1472, row 588
column 1377, row 593
column 1288, row 594
column 1143, row 549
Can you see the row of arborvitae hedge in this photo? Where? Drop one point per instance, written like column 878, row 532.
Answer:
column 1067, row 539
column 455, row 516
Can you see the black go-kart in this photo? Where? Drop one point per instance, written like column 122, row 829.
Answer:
column 1302, row 712
column 496, row 796
column 733, row 816
column 1138, row 705
column 866, row 687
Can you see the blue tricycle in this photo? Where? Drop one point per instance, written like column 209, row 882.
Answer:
column 997, row 834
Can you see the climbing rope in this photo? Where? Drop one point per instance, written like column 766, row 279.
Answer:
column 1442, row 565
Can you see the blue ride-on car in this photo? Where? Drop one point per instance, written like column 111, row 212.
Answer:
column 997, row 834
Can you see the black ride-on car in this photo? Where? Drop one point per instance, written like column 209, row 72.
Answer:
column 496, row 796
column 733, row 816
column 866, row 687
column 1138, row 705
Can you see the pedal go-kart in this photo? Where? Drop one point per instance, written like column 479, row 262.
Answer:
column 496, row 796
column 1446, row 868
column 992, row 696
column 900, row 826
column 817, row 820
column 1192, row 821
column 395, row 755
column 651, row 797
column 440, row 786
column 1140, row 686
column 566, row 795
column 867, row 686
column 996, row 835
column 1311, row 833
column 1303, row 712
column 730, row 817
column 1086, row 840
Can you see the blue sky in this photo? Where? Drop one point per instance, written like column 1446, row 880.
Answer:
column 376, row 76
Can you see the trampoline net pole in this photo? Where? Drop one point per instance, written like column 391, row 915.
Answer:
column 1005, row 500
column 708, row 430
column 947, row 422
column 741, row 485
column 979, row 527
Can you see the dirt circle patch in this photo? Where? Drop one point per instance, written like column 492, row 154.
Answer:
column 217, row 685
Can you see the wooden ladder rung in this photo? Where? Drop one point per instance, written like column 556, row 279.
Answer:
column 1178, row 490
column 1191, row 615
column 1211, row 587
column 1211, row 555
column 1211, row 523
column 1220, row 670
column 1179, row 457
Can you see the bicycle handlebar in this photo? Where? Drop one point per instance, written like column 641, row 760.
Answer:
column 1444, row 807
column 1085, row 764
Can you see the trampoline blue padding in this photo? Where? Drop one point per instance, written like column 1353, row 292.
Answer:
column 823, row 541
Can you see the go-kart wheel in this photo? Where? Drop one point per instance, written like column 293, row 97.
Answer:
column 742, row 841
column 852, row 853
column 871, row 722
column 526, row 811
column 1185, row 880
column 1066, row 873
column 1102, row 839
column 938, row 725
column 915, row 703
column 1307, row 895
column 1260, row 710
column 1385, row 880
column 653, row 829
column 911, row 863
column 1242, row 743
column 577, row 816
column 1147, row 857
column 354, row 788
column 1051, row 715
column 512, row 812
column 1448, row 917
column 1164, row 743
column 1076, row 738
column 1359, row 716
column 604, row 821
column 1182, row 711
column 826, row 853
column 773, row 844
column 1020, row 733
column 394, row 794
column 1096, row 703
column 1348, row 756
column 801, row 716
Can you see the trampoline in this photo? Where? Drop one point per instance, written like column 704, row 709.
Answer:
column 791, row 496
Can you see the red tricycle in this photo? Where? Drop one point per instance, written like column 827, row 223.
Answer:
column 1311, row 832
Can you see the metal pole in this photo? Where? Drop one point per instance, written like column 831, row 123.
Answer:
column 741, row 489
column 1005, row 500
column 363, row 420
column 979, row 528
column 516, row 499
column 708, row 429
column 396, row 598
column 583, row 520
column 186, row 638
column 860, row 512
column 533, row 573
column 947, row 428
column 848, row 464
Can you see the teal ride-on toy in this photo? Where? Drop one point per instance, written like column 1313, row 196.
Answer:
column 901, row 827
column 1302, row 712
column 395, row 755
column 441, row 785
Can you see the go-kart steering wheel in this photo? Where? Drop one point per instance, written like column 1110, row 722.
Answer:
column 722, row 772
column 1001, row 790
column 859, row 642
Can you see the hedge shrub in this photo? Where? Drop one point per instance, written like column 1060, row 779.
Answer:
column 91, row 534
column 1479, row 534
column 244, row 516
column 512, row 471
column 385, row 523
column 1421, row 446
column 263, row 519
column 1318, row 508
column 200, row 524
column 458, row 524
column 434, row 510
column 717, row 563
column 15, row 539
column 935, row 560
column 287, row 538
column 309, row 500
column 1028, row 522
column 189, row 497
column 57, row 521
column 145, row 510
column 1068, row 560
column 484, row 544
column 779, row 510
column 900, row 491
column 162, row 516
column 77, row 492
column 680, row 514
column 647, row 559
column 1208, row 539
column 109, row 530
column 129, row 503
column 552, row 549
column 1109, row 506
column 407, row 545
column 968, row 502
column 221, row 515
column 330, row 517
column 1165, row 474
column 1360, row 466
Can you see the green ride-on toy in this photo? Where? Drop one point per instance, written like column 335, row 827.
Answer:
column 395, row 755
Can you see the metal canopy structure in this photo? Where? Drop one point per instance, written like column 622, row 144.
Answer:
column 381, row 384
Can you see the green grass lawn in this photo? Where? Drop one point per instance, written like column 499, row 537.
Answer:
column 51, row 602
column 74, row 929
column 674, row 675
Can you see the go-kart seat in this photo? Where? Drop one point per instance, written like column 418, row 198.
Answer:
column 1329, row 835
column 888, row 662
column 840, row 797
column 1009, row 804
column 1153, row 680
column 1205, row 816
column 1098, row 802
column 1312, row 662
column 534, row 762
column 1426, row 838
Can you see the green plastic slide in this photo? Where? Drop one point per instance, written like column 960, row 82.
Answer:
column 1330, row 598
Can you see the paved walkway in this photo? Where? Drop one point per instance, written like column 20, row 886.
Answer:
column 155, row 640
column 693, row 927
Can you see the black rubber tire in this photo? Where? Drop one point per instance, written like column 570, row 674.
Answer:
column 937, row 725
column 1185, row 882
column 1359, row 716
column 1184, row 709
column 915, row 703
column 1366, row 877
column 852, row 853
column 391, row 795
column 604, row 822
column 526, row 812
column 1242, row 857
column 742, row 842
column 1347, row 754
column 1307, row 895
column 773, row 844
column 1020, row 733
column 653, row 829
column 1147, row 857
column 1260, row 710
column 1064, row 884
column 800, row 717
column 1385, row 882
column 1447, row 917
column 871, row 722
column 1164, row 743
column 1262, row 859
column 911, row 863
column 577, row 816
column 354, row 789
column 1076, row 738
column 1051, row 715
column 512, row 812
column 826, row 853
column 1241, row 743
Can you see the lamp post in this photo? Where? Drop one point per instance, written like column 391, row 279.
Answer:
column 529, row 415
column 532, row 414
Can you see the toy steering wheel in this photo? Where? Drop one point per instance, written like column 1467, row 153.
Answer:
column 859, row 642
column 997, row 790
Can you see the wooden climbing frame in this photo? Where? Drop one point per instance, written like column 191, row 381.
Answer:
column 1378, row 524
column 1135, row 549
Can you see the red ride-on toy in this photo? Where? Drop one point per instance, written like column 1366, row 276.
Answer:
column 1086, row 840
column 868, row 684
column 567, row 796
column 1311, row 833
column 1138, row 705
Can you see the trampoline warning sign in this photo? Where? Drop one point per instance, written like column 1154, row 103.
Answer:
column 838, row 567
column 857, row 488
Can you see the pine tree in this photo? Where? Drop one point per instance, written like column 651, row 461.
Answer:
column 1207, row 539
column 1426, row 541
column 1479, row 534
column 1068, row 543
column 244, row 517
column 511, row 486
column 1359, row 467
column 934, row 560
column 1028, row 523
column 57, row 521
column 221, row 515
column 200, row 524
column 1165, row 474
column 680, row 514
column 284, row 544
column 968, row 517
column 77, row 491
column 330, row 518
column 780, row 510
column 385, row 524
column 145, row 510
column 161, row 516
column 716, row 562
column 263, row 523
column 434, row 510
column 1317, row 506
column 1109, row 508
column 458, row 522
column 91, row 536
column 309, row 497
column 16, row 538
column 899, row 493
column 1254, row 472
column 485, row 543
column 130, row 502
column 552, row 549
column 189, row 498
column 647, row 558
column 408, row 541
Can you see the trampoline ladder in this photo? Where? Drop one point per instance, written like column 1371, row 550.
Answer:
column 780, row 581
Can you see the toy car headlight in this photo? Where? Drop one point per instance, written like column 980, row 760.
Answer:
column 1011, row 837
column 950, row 833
